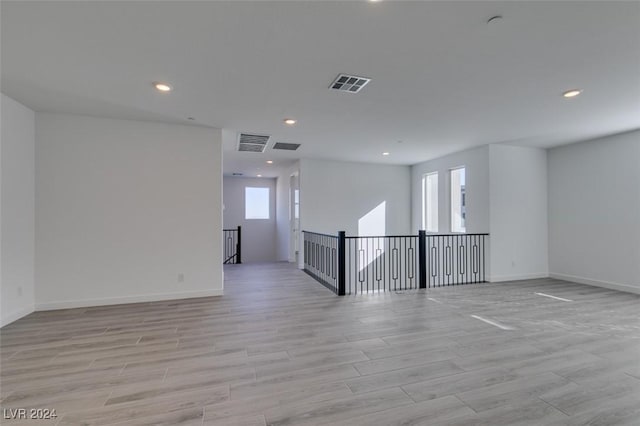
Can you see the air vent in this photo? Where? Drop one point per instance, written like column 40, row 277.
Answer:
column 252, row 143
column 236, row 174
column 286, row 146
column 349, row 83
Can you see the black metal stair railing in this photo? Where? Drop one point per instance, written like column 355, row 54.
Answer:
column 351, row 265
column 232, row 239
column 455, row 259
column 321, row 258
column 375, row 264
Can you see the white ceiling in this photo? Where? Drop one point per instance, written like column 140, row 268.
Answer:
column 442, row 79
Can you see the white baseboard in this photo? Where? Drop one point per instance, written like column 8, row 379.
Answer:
column 596, row 283
column 157, row 297
column 517, row 277
column 16, row 316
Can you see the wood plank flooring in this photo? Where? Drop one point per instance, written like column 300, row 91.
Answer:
column 280, row 349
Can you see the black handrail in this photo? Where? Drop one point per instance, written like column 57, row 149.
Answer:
column 405, row 236
column 318, row 233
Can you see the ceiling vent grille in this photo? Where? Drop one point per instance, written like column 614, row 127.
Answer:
column 286, row 146
column 252, row 143
column 349, row 83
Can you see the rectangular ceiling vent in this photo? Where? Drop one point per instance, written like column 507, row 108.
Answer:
column 252, row 143
column 286, row 146
column 349, row 83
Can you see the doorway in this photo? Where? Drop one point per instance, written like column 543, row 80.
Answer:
column 294, row 218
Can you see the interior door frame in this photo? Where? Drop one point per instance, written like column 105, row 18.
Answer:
column 294, row 223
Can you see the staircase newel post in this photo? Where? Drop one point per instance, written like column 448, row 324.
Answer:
column 422, row 258
column 341, row 262
column 239, row 246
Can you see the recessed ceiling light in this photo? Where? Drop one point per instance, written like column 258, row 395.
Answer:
column 385, row 153
column 572, row 93
column 290, row 121
column 259, row 175
column 162, row 87
column 269, row 161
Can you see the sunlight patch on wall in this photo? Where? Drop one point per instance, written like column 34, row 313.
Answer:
column 373, row 223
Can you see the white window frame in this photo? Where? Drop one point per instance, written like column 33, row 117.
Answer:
column 452, row 200
column 247, row 190
column 430, row 209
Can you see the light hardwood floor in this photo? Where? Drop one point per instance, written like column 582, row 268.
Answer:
column 280, row 349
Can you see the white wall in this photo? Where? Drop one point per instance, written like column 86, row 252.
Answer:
column 506, row 196
column 335, row 195
column 123, row 208
column 258, row 235
column 518, row 213
column 282, row 217
column 476, row 162
column 17, row 190
column 594, row 212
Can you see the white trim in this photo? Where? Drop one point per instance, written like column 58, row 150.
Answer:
column 14, row 316
column 605, row 284
column 68, row 304
column 518, row 277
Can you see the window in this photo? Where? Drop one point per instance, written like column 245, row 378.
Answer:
column 430, row 202
column 256, row 203
column 458, row 200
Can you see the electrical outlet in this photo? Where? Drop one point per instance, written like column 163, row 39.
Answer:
column 180, row 277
